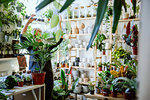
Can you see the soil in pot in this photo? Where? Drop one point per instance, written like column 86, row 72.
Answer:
column 92, row 92
column 38, row 78
column 20, row 84
column 114, row 93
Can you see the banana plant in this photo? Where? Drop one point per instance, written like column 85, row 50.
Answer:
column 102, row 6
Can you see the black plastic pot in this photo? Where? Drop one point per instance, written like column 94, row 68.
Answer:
column 77, row 59
column 92, row 92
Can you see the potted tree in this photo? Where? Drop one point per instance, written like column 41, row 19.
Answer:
column 91, row 87
column 41, row 52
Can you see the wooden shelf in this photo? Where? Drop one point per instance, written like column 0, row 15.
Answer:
column 100, row 96
column 91, row 18
column 80, row 49
column 77, row 19
column 126, row 20
column 7, row 59
column 86, row 34
column 79, row 67
column 84, row 83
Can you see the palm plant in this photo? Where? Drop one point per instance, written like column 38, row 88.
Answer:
column 42, row 53
column 102, row 6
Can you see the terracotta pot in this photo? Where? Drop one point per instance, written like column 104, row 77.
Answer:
column 104, row 52
column 20, row 84
column 135, row 50
column 67, row 66
column 127, row 96
column 126, row 16
column 99, row 68
column 38, row 78
column 114, row 93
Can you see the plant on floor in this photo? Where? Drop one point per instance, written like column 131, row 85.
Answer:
column 63, row 93
column 99, row 42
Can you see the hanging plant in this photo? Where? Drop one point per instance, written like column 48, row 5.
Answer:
column 131, row 36
column 48, row 13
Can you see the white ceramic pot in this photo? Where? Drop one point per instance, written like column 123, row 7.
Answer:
column 76, row 45
column 85, row 89
column 69, row 46
column 77, row 89
column 84, row 59
column 81, row 46
column 79, row 42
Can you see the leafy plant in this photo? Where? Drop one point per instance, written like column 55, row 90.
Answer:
column 91, row 85
column 54, row 21
column 63, row 92
column 48, row 13
column 3, row 96
column 102, row 5
column 41, row 49
column 10, row 82
column 99, row 42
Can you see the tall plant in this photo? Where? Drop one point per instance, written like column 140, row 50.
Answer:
column 102, row 5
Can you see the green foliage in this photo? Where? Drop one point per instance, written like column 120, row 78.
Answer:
column 58, row 34
column 41, row 53
column 3, row 96
column 54, row 21
column 99, row 42
column 10, row 82
column 48, row 13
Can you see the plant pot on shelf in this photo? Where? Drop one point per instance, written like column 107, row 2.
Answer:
column 126, row 16
column 105, row 92
column 92, row 92
column 100, row 68
column 38, row 78
column 114, row 93
column 20, row 84
column 135, row 50
column 98, row 90
column 67, row 65
column 104, row 52
column 127, row 96
column 28, row 82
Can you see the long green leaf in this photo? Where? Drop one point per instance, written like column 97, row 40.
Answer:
column 5, row 1
column 102, row 5
column 134, row 6
column 43, row 4
column 57, row 5
column 124, row 4
column 66, row 5
column 54, row 21
column 117, row 13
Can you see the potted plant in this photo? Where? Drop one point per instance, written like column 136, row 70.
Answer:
column 99, row 42
column 105, row 91
column 113, row 91
column 48, row 14
column 41, row 51
column 10, row 82
column 28, row 80
column 91, row 87
column 100, row 66
column 20, row 82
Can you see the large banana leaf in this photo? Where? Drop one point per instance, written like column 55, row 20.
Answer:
column 117, row 12
column 134, row 6
column 43, row 4
column 102, row 5
column 66, row 5
column 5, row 1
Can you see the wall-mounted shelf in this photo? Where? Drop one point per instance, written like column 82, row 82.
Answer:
column 79, row 67
column 77, row 19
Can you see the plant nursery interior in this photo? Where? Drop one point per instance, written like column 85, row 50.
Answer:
column 74, row 50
